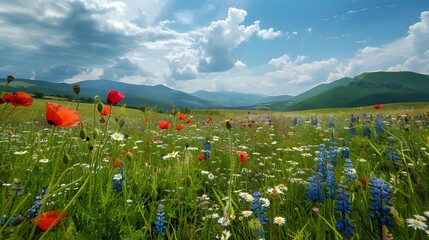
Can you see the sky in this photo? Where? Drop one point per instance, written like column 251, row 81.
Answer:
column 275, row 47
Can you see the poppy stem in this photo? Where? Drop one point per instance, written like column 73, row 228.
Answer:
column 78, row 101
column 7, row 115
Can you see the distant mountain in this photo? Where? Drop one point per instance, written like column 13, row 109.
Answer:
column 236, row 99
column 157, row 96
column 365, row 89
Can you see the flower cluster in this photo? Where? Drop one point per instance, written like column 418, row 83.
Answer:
column 381, row 199
column 160, row 221
column 118, row 180
column 344, row 207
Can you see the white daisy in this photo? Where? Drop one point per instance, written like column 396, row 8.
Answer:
column 279, row 221
column 44, row 160
column 247, row 213
column 117, row 136
column 416, row 224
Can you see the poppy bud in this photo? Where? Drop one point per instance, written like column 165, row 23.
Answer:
column 129, row 156
column 76, row 89
column 95, row 133
column 10, row 79
column 121, row 123
column 90, row 145
column 66, row 158
column 83, row 134
column 96, row 99
column 228, row 125
column 100, row 106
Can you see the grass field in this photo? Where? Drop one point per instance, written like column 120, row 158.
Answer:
column 266, row 175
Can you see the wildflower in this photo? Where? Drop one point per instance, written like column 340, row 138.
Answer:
column 345, row 226
column 21, row 99
column 188, row 121
column 181, row 116
column 49, row 219
column 117, row 136
column 76, row 89
column 380, row 196
column 282, row 186
column 279, row 221
column 416, row 224
column 105, row 111
column 160, row 221
column 61, row 116
column 9, row 79
column 420, row 217
column 170, row 155
column 225, row 235
column 179, row 127
column 246, row 213
column 275, row 191
column 20, row 152
column 118, row 179
column 163, row 124
column 207, row 150
column 113, row 97
column 243, row 156
column 201, row 158
column 44, row 160
column 224, row 221
column 366, row 130
column 377, row 106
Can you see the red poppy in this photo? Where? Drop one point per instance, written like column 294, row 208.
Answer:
column 249, row 124
column 105, row 111
column 209, row 120
column 7, row 98
column 163, row 124
column 188, row 121
column 179, row 127
column 61, row 116
column 201, row 158
column 21, row 99
column 377, row 106
column 113, row 97
column 182, row 116
column 118, row 163
column 50, row 219
column 243, row 156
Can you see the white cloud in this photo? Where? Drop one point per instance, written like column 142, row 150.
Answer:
column 309, row 30
column 185, row 17
column 404, row 54
column 268, row 34
column 296, row 72
column 239, row 64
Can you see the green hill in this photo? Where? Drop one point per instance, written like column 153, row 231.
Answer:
column 368, row 89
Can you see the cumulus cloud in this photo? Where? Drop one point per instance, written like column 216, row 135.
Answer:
column 405, row 54
column 80, row 35
column 210, row 48
column 268, row 34
column 220, row 38
column 300, row 73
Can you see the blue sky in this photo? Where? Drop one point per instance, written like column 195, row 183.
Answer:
column 271, row 47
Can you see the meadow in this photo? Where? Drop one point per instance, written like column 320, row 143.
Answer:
column 355, row 173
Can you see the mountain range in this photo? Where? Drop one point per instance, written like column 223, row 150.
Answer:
column 364, row 89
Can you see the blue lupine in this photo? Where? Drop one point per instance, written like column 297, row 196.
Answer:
column 321, row 160
column 345, row 152
column 349, row 170
column 259, row 211
column 345, row 226
column 331, row 122
column 333, row 153
column 391, row 150
column 381, row 198
column 3, row 219
column 352, row 130
column 353, row 118
column 314, row 188
column 330, row 181
column 366, row 130
column 118, row 180
column 344, row 207
column 207, row 150
column 34, row 210
column 379, row 126
column 314, row 121
column 160, row 221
